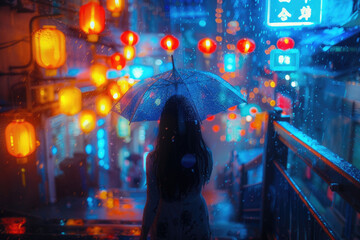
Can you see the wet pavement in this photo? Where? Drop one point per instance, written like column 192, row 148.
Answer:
column 117, row 213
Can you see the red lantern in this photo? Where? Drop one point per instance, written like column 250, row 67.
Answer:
column 115, row 7
column 285, row 43
column 245, row 45
column 207, row 45
column 92, row 20
column 129, row 38
column 169, row 43
column 118, row 61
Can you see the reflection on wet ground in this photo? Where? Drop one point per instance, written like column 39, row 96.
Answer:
column 114, row 213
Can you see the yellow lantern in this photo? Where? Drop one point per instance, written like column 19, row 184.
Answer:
column 87, row 120
column 103, row 105
column 20, row 138
column 98, row 74
column 115, row 7
column 124, row 86
column 49, row 48
column 114, row 91
column 70, row 100
column 129, row 52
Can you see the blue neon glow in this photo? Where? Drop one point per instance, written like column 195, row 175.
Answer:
column 100, row 133
column 150, row 147
column 111, row 74
column 101, row 163
column 54, row 150
column 230, row 62
column 202, row 23
column 101, row 153
column 88, row 149
column 141, row 71
column 282, row 13
column 106, row 166
column 100, row 122
column 101, row 143
column 73, row 72
column 144, row 160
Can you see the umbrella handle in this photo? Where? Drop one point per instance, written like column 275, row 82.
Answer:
column 172, row 60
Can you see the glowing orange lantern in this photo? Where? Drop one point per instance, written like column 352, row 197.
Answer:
column 285, row 43
column 87, row 121
column 169, row 43
column 245, row 45
column 118, row 61
column 70, row 100
column 92, row 20
column 103, row 105
column 20, row 138
column 129, row 52
column 49, row 48
column 115, row 7
column 98, row 74
column 129, row 38
column 114, row 91
column 124, row 86
column 207, row 45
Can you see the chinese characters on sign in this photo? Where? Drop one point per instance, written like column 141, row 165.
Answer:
column 293, row 12
column 287, row 60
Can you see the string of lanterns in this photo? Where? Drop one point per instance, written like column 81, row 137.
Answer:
column 50, row 53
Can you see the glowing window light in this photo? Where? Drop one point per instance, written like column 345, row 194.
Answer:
column 88, row 149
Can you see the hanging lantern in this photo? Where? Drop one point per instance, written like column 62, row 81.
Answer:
column 245, row 45
column 92, row 20
column 114, row 91
column 87, row 121
column 98, row 74
column 118, row 61
column 285, row 43
column 124, row 86
column 129, row 52
column 169, row 43
column 70, row 100
column 129, row 38
column 20, row 138
column 103, row 105
column 115, row 7
column 49, row 48
column 207, row 45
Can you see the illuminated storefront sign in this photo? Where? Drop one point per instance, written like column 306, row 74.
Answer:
column 293, row 12
column 284, row 60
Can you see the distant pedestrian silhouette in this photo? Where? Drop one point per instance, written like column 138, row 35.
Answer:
column 176, row 171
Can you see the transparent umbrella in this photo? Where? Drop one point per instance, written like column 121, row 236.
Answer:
column 209, row 94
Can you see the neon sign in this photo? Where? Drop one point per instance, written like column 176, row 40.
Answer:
column 293, row 12
column 284, row 60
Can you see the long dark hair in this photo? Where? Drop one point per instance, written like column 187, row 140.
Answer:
column 180, row 134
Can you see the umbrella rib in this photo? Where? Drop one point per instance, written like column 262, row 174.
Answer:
column 192, row 99
column 133, row 115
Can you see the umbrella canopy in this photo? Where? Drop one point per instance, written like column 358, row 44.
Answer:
column 209, row 94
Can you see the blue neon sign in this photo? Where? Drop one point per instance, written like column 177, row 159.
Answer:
column 287, row 60
column 293, row 12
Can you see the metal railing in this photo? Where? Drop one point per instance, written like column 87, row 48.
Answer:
column 286, row 212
